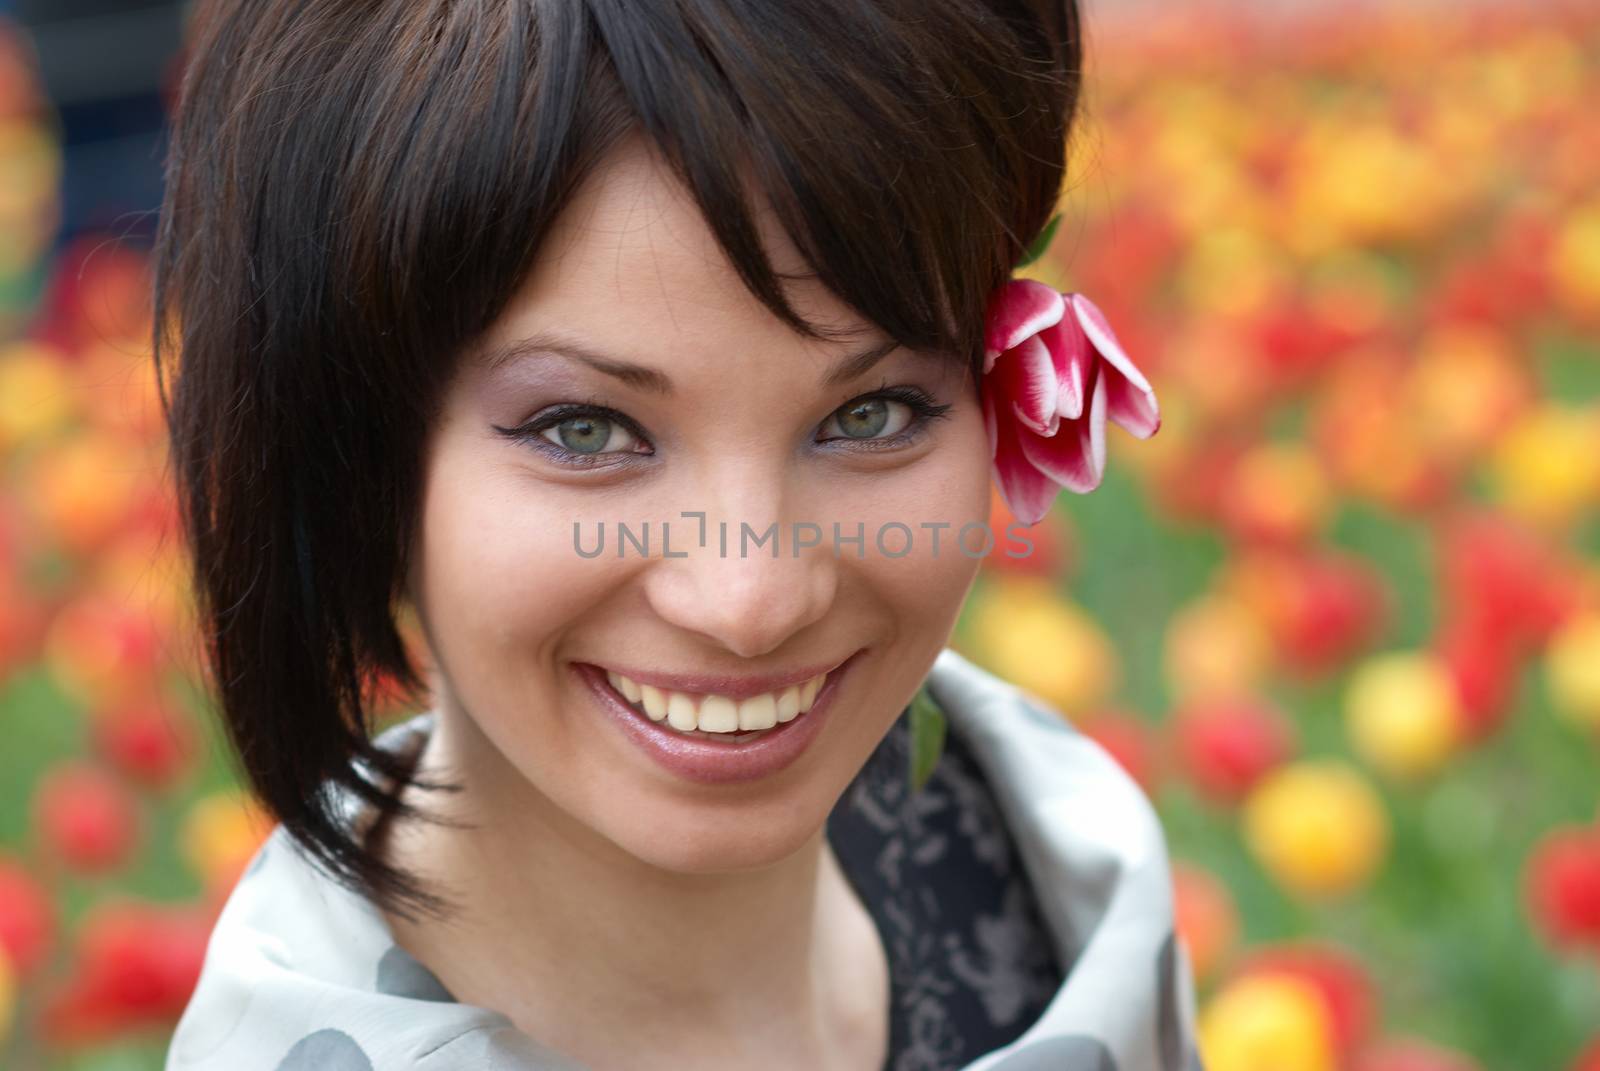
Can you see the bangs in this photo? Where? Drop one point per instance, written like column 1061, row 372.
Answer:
column 909, row 150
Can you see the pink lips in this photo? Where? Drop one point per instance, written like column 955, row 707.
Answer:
column 715, row 762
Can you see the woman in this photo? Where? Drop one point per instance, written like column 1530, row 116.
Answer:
column 640, row 353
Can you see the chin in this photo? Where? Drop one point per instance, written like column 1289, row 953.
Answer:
column 689, row 847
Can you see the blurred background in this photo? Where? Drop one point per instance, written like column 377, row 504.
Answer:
column 1340, row 618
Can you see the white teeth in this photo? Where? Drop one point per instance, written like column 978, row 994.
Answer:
column 808, row 692
column 788, row 703
column 718, row 715
column 680, row 712
column 758, row 712
column 687, row 712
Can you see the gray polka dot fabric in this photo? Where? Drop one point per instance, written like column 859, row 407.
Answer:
column 325, row 1050
column 400, row 975
column 302, row 973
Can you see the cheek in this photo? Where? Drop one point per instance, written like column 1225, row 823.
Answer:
column 501, row 582
column 914, row 526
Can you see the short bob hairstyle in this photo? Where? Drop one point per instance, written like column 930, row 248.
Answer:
column 354, row 191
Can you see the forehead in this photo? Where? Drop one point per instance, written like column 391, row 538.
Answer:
column 630, row 262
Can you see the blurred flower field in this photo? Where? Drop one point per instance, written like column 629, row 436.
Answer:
column 1341, row 617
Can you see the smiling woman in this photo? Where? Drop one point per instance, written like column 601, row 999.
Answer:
column 441, row 283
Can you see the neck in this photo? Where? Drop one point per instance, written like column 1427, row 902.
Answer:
column 613, row 955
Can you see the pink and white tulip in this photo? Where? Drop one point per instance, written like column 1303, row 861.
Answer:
column 1053, row 373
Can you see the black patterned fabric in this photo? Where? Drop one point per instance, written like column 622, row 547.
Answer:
column 971, row 964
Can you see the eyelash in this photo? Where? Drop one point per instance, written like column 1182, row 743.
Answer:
column 529, row 433
column 924, row 410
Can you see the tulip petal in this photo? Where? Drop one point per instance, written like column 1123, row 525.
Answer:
column 1026, row 377
column 1020, row 309
column 1072, row 358
column 1028, row 493
column 1135, row 410
column 1132, row 402
column 1076, row 458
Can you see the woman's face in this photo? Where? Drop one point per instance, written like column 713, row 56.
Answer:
column 694, row 400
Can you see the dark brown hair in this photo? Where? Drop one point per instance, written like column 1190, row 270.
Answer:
column 355, row 189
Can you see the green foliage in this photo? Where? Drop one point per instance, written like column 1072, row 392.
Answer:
column 1041, row 243
column 927, row 738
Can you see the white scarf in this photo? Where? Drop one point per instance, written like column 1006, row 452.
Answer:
column 303, row 975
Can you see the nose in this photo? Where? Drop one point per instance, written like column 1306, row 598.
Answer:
column 738, row 594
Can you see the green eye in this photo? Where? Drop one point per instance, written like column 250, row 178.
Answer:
column 868, row 418
column 590, row 434
column 864, row 419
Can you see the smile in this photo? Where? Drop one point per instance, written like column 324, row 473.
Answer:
column 693, row 712
column 739, row 729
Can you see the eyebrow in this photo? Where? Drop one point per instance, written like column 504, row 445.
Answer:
column 654, row 380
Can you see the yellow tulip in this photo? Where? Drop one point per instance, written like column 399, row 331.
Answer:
column 1572, row 669
column 1358, row 181
column 1024, row 631
column 33, row 165
column 1317, row 826
column 1215, row 646
column 1575, row 260
column 1232, row 271
column 1403, row 713
column 219, row 835
column 83, row 487
column 1279, row 491
column 1465, row 387
column 37, row 392
column 1546, row 468
column 1267, row 1022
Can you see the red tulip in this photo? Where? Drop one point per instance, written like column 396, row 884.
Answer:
column 98, row 289
column 1191, row 485
column 1503, row 576
column 1130, row 257
column 1341, row 980
column 1321, row 606
column 1475, row 291
column 1589, row 1058
column 1207, row 920
column 1507, row 282
column 1485, row 668
column 1051, row 382
column 148, row 742
column 1563, row 886
column 101, row 648
column 22, row 619
column 1227, row 745
column 1342, row 607
column 27, row 917
column 86, row 817
column 1298, row 343
column 1276, row 494
column 136, row 966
